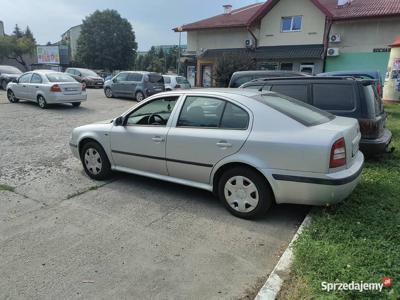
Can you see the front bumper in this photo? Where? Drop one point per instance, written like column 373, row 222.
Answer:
column 315, row 189
column 74, row 149
column 376, row 146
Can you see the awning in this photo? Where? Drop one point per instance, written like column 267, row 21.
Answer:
column 273, row 52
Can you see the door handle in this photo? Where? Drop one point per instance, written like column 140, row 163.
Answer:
column 158, row 139
column 36, row 87
column 24, row 86
column 224, row 144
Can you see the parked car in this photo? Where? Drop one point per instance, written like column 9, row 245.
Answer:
column 173, row 82
column 241, row 77
column 348, row 97
column 374, row 75
column 134, row 84
column 87, row 77
column 252, row 149
column 8, row 74
column 46, row 87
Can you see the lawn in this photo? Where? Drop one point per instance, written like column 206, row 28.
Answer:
column 357, row 240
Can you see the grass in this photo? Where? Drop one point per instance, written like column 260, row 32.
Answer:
column 357, row 240
column 4, row 187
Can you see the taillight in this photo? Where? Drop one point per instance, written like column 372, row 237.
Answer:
column 55, row 88
column 379, row 88
column 338, row 154
column 83, row 87
column 178, row 86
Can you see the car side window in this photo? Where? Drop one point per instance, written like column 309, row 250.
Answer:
column 134, row 77
column 200, row 111
column 297, row 91
column 167, row 80
column 334, row 97
column 242, row 80
column 156, row 112
column 36, row 78
column 234, row 117
column 26, row 78
column 122, row 77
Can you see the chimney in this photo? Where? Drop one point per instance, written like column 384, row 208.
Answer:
column 343, row 3
column 227, row 9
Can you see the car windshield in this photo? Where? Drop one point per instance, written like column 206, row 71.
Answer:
column 59, row 77
column 9, row 70
column 155, row 78
column 86, row 72
column 301, row 112
column 182, row 80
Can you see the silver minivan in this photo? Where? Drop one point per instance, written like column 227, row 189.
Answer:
column 134, row 84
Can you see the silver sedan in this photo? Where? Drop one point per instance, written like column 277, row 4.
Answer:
column 250, row 149
column 46, row 87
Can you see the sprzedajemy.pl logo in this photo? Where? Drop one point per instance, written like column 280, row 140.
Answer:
column 356, row 286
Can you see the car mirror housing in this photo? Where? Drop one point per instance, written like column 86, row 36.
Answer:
column 119, row 121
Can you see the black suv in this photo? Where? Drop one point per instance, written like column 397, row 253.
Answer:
column 347, row 97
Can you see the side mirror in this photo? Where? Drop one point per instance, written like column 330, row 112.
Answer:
column 114, row 80
column 119, row 121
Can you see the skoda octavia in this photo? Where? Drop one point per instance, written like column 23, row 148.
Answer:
column 251, row 149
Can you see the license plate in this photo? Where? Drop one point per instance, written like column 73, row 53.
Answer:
column 70, row 89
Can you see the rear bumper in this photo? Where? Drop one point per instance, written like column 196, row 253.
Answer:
column 314, row 188
column 61, row 98
column 376, row 146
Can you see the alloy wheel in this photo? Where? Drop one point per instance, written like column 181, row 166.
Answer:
column 139, row 96
column 241, row 194
column 42, row 102
column 93, row 161
column 11, row 96
column 109, row 93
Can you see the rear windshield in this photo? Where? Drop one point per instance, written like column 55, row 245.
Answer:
column 301, row 112
column 182, row 80
column 155, row 78
column 59, row 77
column 9, row 70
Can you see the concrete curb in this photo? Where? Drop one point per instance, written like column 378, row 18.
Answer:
column 273, row 285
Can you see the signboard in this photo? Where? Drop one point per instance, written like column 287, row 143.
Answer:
column 48, row 55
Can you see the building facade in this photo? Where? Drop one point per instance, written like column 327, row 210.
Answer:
column 304, row 35
column 70, row 39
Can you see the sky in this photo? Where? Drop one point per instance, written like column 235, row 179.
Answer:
column 152, row 20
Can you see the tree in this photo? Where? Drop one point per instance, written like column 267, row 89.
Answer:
column 227, row 64
column 18, row 45
column 107, row 41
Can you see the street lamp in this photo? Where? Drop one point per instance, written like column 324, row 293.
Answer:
column 179, row 50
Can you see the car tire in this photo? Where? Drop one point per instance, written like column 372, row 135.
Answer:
column 42, row 102
column 84, row 85
column 108, row 92
column 245, row 193
column 95, row 161
column 4, row 84
column 139, row 96
column 11, row 97
column 76, row 104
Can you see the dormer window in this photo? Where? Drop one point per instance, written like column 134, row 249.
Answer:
column 291, row 24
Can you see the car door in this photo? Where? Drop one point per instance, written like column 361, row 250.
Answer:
column 34, row 86
column 140, row 143
column 21, row 88
column 132, row 82
column 208, row 129
column 118, row 85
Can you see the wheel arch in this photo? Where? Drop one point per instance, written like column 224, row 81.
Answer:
column 86, row 140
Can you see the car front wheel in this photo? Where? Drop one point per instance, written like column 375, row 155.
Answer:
column 95, row 161
column 108, row 92
column 245, row 193
column 11, row 97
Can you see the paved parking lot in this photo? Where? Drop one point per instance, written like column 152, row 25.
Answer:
column 63, row 235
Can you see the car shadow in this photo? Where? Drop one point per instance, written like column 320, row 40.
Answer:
column 56, row 106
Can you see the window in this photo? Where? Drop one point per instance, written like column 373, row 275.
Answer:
column 286, row 66
column 234, row 117
column 201, row 112
column 297, row 91
column 334, row 97
column 122, row 77
column 167, row 80
column 155, row 78
column 36, row 78
column 301, row 112
column 25, row 78
column 182, row 80
column 59, row 77
column 72, row 71
column 270, row 66
column 156, row 112
column 135, row 77
column 241, row 80
column 86, row 73
column 290, row 24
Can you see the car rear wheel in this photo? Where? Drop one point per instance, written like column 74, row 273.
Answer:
column 108, row 92
column 11, row 97
column 42, row 102
column 245, row 193
column 95, row 161
column 139, row 96
column 3, row 84
column 76, row 104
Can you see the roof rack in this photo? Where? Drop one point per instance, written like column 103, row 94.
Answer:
column 306, row 78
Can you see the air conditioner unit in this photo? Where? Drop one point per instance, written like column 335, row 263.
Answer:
column 333, row 52
column 249, row 43
column 335, row 38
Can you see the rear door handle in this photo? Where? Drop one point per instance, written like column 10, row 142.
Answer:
column 158, row 139
column 224, row 144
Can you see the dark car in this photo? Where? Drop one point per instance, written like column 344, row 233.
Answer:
column 7, row 74
column 87, row 77
column 347, row 97
column 241, row 77
column 374, row 75
column 134, row 84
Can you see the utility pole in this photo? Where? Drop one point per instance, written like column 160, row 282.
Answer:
column 179, row 50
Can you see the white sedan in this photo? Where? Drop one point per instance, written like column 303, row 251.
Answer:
column 251, row 149
column 46, row 87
